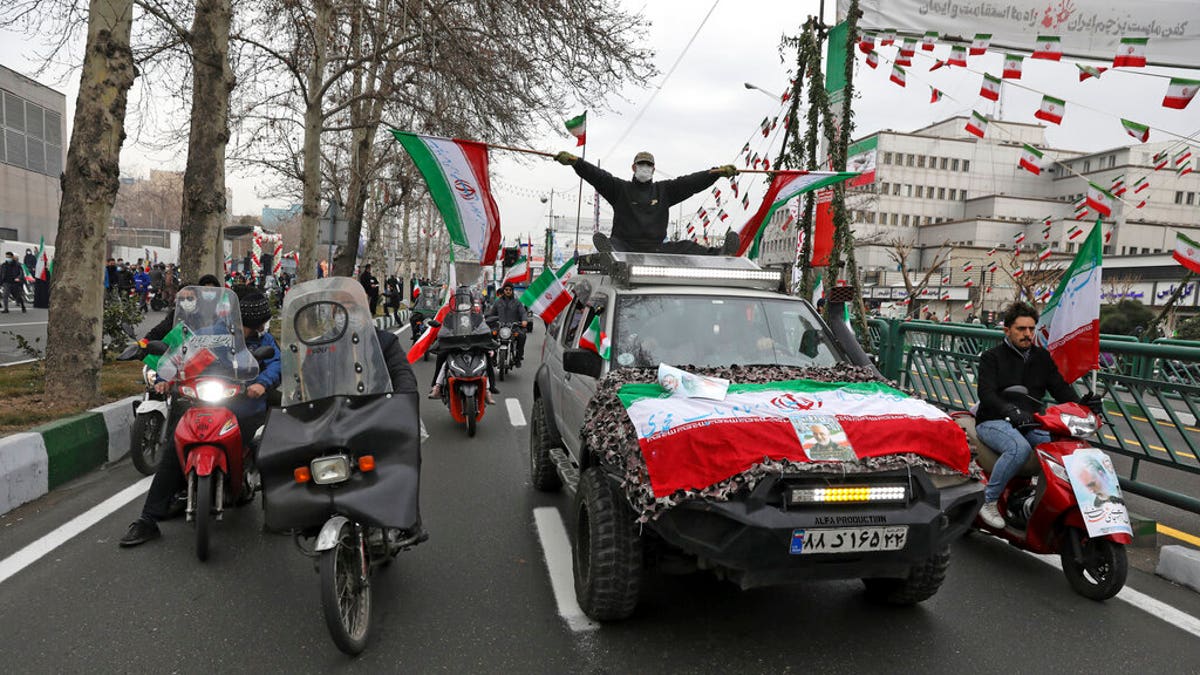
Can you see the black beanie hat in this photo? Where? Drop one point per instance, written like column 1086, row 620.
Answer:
column 256, row 310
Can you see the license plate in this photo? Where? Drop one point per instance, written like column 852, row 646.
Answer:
column 848, row 540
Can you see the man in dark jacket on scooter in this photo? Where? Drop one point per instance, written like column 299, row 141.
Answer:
column 508, row 309
column 1004, row 424
column 251, row 413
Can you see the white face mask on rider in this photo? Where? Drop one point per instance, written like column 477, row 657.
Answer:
column 187, row 305
column 642, row 173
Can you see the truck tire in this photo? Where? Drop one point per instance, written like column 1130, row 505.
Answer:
column 922, row 582
column 607, row 556
column 542, row 472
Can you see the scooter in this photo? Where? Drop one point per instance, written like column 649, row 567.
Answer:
column 1042, row 509
column 148, row 434
column 465, row 390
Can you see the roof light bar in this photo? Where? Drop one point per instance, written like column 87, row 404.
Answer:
column 755, row 278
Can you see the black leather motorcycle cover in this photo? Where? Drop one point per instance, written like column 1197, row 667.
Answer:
column 386, row 426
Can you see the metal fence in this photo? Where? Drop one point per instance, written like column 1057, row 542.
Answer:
column 1151, row 390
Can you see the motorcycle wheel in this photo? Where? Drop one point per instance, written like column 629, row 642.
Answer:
column 145, row 443
column 203, row 515
column 470, row 410
column 1101, row 573
column 503, row 366
column 346, row 592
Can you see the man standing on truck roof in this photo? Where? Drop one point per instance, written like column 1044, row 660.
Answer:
column 641, row 206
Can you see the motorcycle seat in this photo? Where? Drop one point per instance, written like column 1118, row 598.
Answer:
column 985, row 456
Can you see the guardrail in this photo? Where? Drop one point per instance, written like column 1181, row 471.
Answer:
column 1152, row 390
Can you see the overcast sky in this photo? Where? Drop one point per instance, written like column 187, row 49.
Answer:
column 703, row 114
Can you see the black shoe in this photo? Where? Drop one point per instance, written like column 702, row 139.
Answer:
column 140, row 532
column 730, row 247
column 178, row 505
column 494, row 389
column 4, row 311
column 601, row 242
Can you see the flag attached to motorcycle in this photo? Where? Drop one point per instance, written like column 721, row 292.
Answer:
column 423, row 343
column 456, row 172
column 1070, row 325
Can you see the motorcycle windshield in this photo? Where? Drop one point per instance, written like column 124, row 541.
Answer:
column 427, row 304
column 329, row 344
column 207, row 338
column 461, row 329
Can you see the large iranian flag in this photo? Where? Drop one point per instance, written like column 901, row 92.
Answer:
column 784, row 186
column 1187, row 252
column 692, row 443
column 1070, row 325
column 456, row 172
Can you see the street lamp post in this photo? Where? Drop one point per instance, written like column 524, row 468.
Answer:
column 774, row 97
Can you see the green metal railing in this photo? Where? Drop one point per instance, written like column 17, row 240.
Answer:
column 1152, row 390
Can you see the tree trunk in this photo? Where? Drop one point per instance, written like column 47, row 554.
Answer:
column 204, row 208
column 89, row 188
column 313, row 120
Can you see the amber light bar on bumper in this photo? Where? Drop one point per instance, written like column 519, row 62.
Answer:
column 849, row 494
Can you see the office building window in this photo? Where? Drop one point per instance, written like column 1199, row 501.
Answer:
column 1070, row 247
column 966, row 165
column 953, row 194
column 921, row 192
column 1108, row 249
column 908, row 190
column 941, row 193
column 883, row 188
column 920, row 161
column 30, row 136
column 932, row 162
column 887, row 158
column 1178, row 197
column 1087, row 165
column 895, row 218
column 1191, row 196
column 908, row 160
column 896, row 189
column 1145, row 250
column 1112, row 161
column 954, row 165
column 904, row 220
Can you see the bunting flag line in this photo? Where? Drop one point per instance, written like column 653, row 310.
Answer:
column 1181, row 157
column 867, row 43
column 873, row 60
column 1118, row 186
column 1012, row 66
column 1074, row 232
column 1051, row 109
column 898, row 75
column 1048, row 47
column 1081, row 208
column 1161, row 160
column 1138, row 131
column 1031, row 159
column 928, row 40
column 980, row 44
column 1180, row 93
column 1045, row 254
column 977, row 124
column 1018, row 238
column 1086, row 72
column 1131, row 53
column 939, row 64
column 958, row 56
column 990, row 88
column 935, row 95
column 887, row 38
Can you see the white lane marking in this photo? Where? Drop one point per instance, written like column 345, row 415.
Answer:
column 557, row 548
column 31, row 553
column 1147, row 604
column 515, row 416
column 31, row 323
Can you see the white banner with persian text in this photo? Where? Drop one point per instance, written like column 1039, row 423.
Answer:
column 1089, row 28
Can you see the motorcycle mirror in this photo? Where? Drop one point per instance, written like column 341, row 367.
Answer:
column 131, row 353
column 156, row 347
column 263, row 353
column 433, row 322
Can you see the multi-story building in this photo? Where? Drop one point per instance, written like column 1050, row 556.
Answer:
column 32, row 153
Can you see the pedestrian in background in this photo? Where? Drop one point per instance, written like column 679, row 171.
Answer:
column 371, row 285
column 30, row 260
column 14, row 281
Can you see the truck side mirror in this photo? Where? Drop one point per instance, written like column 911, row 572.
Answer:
column 583, row 362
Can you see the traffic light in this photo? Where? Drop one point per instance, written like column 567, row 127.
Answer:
column 511, row 255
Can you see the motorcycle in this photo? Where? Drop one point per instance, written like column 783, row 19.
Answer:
column 207, row 371
column 148, row 434
column 340, row 460
column 506, row 354
column 467, row 345
column 1065, row 500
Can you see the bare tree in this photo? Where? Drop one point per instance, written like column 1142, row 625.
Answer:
column 89, row 185
column 901, row 250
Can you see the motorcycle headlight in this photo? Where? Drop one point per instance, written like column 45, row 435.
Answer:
column 457, row 368
column 1080, row 427
column 211, row 391
column 478, row 366
column 505, row 332
column 327, row 470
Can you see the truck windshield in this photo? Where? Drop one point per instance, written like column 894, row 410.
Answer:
column 717, row 331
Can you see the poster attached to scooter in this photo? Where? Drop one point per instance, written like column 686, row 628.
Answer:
column 1098, row 492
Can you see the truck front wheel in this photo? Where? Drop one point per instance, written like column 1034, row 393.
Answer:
column 922, row 582
column 607, row 555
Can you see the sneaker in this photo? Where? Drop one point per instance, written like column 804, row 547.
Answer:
column 436, row 392
column 730, row 247
column 494, row 389
column 140, row 531
column 602, row 243
column 991, row 517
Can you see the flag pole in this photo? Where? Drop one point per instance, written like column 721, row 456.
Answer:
column 528, row 151
column 579, row 202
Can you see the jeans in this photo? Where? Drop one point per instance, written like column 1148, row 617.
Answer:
column 1014, row 449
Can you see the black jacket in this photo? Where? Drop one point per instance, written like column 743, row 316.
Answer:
column 403, row 379
column 1002, row 366
column 640, row 210
column 10, row 271
column 507, row 310
column 369, row 283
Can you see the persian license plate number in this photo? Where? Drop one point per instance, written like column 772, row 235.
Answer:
column 848, row 540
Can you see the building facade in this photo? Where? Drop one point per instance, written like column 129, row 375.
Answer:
column 32, row 153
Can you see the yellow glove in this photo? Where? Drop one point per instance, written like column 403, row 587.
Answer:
column 565, row 157
column 728, row 171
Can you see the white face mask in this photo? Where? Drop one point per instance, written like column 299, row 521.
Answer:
column 187, row 305
column 643, row 173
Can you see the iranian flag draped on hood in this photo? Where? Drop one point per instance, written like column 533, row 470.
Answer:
column 456, row 172
column 1070, row 325
column 784, row 186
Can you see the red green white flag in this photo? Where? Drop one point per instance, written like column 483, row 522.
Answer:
column 888, row 37
column 1074, row 232
column 1031, row 159
column 1181, row 157
column 595, row 339
column 991, row 87
column 1018, row 238
column 1131, row 53
column 1081, row 209
column 779, row 421
column 1180, row 93
column 898, row 75
column 1138, row 131
column 1051, row 109
column 1012, row 66
column 456, row 173
column 548, row 294
column 1070, row 325
column 1141, row 184
column 981, row 43
column 577, row 126
column 1048, row 47
column 958, row 56
column 977, row 124
column 935, row 95
column 873, row 59
column 43, row 267
column 1118, row 186
column 519, row 273
column 1045, row 253
column 1086, row 72
column 928, row 40
column 784, row 186
column 1187, row 252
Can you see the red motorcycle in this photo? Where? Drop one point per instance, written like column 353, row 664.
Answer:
column 1042, row 506
column 208, row 370
column 468, row 346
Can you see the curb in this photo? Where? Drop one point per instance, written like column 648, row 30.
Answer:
column 386, row 322
column 34, row 462
column 1179, row 564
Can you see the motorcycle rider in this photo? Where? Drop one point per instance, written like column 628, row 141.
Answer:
column 999, row 421
column 160, row 330
column 508, row 309
column 641, row 206
column 250, row 410
column 464, row 301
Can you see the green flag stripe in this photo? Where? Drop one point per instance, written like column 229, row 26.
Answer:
column 634, row 392
column 439, row 189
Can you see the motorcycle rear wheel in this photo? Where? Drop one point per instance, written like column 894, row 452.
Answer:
column 145, row 442
column 1101, row 574
column 470, row 411
column 203, row 514
column 346, row 592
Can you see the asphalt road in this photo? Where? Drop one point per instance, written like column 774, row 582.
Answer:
column 478, row 596
column 32, row 326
